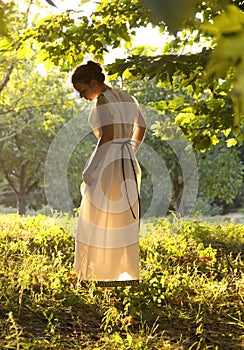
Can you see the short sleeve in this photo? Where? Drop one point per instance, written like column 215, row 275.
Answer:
column 100, row 114
column 139, row 116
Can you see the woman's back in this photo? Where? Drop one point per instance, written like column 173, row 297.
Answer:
column 115, row 107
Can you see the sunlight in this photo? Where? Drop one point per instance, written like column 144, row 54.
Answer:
column 143, row 35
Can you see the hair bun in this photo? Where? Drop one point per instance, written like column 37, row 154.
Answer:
column 86, row 72
column 95, row 66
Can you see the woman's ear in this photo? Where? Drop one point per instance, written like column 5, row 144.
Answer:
column 93, row 84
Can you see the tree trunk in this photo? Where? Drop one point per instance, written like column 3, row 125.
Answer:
column 21, row 203
column 177, row 196
column 22, row 190
column 22, row 186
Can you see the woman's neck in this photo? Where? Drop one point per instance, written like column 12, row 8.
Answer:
column 104, row 87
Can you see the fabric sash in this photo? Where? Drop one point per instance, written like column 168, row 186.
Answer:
column 125, row 145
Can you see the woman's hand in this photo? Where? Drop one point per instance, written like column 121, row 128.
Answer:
column 135, row 146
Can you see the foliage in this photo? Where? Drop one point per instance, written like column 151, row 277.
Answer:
column 191, row 60
column 221, row 163
column 225, row 170
column 3, row 31
column 24, row 154
column 190, row 295
column 228, row 56
column 29, row 119
column 212, row 77
column 142, row 66
column 34, row 105
column 204, row 114
column 71, row 34
column 165, row 10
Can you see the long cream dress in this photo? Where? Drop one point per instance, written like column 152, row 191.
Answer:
column 107, row 237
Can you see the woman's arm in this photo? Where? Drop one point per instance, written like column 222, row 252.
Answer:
column 139, row 132
column 107, row 133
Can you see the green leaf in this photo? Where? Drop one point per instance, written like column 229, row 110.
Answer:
column 231, row 142
column 5, row 44
column 230, row 21
column 51, row 3
column 226, row 132
column 215, row 140
column 25, row 52
column 173, row 13
column 129, row 339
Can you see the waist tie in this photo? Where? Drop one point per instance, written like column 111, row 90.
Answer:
column 126, row 145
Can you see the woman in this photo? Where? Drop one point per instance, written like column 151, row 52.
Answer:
column 107, row 247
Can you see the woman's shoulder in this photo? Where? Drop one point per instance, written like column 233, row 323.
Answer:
column 122, row 93
column 114, row 95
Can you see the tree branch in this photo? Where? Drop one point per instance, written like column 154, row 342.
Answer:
column 7, row 77
column 16, row 132
column 11, row 182
column 30, row 107
column 12, row 107
column 32, row 187
column 10, row 70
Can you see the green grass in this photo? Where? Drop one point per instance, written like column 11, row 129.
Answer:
column 191, row 294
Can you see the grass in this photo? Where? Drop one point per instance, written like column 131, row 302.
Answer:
column 191, row 294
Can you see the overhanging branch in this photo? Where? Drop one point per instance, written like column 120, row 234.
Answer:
column 7, row 77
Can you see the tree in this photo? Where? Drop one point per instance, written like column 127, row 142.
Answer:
column 27, row 128
column 213, row 77
column 34, row 105
column 215, row 28
column 221, row 164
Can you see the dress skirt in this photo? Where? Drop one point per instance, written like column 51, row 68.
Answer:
column 107, row 238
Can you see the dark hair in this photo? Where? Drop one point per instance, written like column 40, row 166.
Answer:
column 87, row 72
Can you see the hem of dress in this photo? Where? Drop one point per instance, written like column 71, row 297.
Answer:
column 109, row 283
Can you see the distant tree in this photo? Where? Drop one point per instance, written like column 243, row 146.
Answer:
column 34, row 104
column 30, row 116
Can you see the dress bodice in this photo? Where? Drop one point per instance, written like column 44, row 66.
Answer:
column 115, row 107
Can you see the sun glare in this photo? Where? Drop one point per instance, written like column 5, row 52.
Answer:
column 145, row 36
